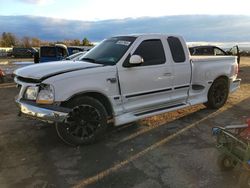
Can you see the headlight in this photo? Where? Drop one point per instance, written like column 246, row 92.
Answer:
column 31, row 93
column 45, row 95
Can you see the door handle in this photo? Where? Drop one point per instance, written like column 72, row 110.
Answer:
column 111, row 80
column 167, row 74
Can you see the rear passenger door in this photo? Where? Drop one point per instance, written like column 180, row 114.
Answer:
column 181, row 69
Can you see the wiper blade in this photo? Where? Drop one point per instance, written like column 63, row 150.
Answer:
column 88, row 59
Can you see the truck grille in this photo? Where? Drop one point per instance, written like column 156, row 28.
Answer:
column 27, row 80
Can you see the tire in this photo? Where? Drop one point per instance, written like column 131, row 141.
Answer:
column 218, row 94
column 244, row 180
column 225, row 163
column 86, row 123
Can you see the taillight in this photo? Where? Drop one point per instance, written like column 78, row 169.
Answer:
column 236, row 70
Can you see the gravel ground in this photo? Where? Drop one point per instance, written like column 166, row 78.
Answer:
column 171, row 150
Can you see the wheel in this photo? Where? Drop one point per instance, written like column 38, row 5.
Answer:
column 218, row 94
column 244, row 180
column 85, row 124
column 225, row 162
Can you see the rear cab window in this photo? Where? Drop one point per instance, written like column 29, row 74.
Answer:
column 48, row 52
column 176, row 49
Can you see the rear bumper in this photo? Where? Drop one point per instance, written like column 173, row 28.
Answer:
column 234, row 85
column 47, row 113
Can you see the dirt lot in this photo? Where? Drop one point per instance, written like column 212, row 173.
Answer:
column 172, row 150
column 8, row 66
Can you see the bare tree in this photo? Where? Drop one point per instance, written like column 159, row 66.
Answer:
column 76, row 42
column 36, row 42
column 26, row 42
column 8, row 40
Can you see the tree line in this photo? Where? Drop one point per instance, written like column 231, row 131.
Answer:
column 8, row 39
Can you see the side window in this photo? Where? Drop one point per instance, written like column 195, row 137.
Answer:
column 64, row 52
column 61, row 52
column 207, row 51
column 176, row 49
column 218, row 51
column 152, row 52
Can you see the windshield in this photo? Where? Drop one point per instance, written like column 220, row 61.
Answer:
column 110, row 51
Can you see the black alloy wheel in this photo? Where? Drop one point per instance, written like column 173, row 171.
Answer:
column 218, row 94
column 85, row 123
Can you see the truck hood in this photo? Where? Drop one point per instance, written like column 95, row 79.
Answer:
column 43, row 71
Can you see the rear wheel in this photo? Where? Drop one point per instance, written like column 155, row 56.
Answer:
column 86, row 123
column 218, row 94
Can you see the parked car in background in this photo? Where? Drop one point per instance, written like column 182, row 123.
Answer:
column 20, row 52
column 51, row 53
column 75, row 49
column 5, row 51
column 76, row 56
column 56, row 52
column 210, row 50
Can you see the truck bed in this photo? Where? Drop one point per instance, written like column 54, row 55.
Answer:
column 213, row 58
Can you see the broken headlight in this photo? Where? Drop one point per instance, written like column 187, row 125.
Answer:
column 45, row 95
column 31, row 93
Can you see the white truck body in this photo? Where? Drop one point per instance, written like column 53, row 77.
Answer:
column 128, row 93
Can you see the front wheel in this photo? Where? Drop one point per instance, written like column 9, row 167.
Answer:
column 225, row 162
column 218, row 94
column 86, row 123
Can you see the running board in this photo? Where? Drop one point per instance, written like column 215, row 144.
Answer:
column 158, row 109
column 131, row 117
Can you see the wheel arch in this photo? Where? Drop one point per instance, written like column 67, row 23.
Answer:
column 96, row 95
column 210, row 102
column 220, row 77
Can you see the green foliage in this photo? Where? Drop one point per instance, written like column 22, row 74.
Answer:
column 26, row 42
column 86, row 42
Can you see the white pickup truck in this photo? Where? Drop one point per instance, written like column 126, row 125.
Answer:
column 123, row 79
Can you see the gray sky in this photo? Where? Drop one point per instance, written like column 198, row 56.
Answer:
column 117, row 9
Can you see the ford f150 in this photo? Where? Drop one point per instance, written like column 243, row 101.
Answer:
column 121, row 80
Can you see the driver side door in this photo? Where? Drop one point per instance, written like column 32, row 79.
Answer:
column 148, row 85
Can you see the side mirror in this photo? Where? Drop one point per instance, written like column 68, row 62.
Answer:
column 136, row 60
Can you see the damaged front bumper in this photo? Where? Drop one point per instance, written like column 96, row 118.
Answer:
column 46, row 113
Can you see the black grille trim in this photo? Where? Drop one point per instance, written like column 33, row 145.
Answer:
column 28, row 80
